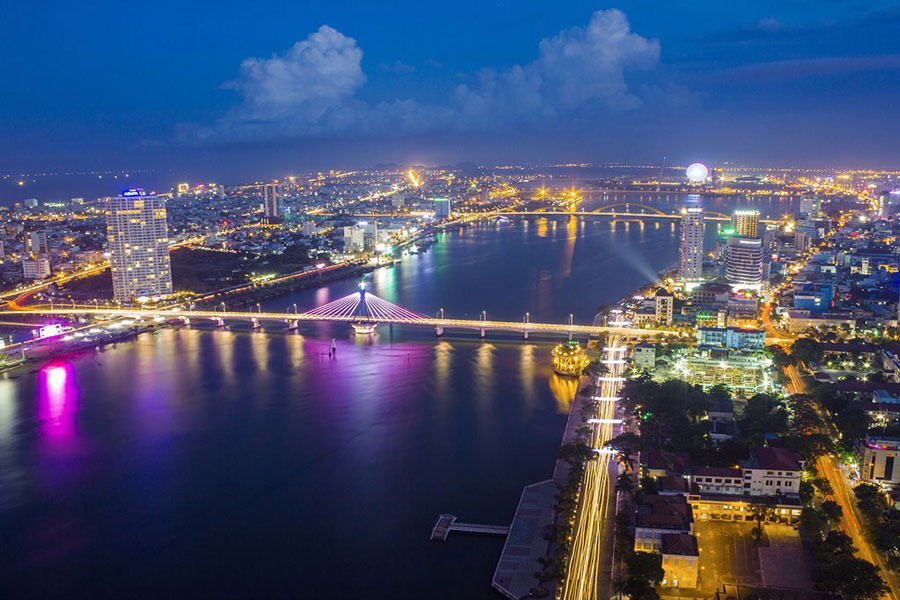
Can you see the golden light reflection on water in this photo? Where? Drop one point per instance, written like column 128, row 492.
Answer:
column 223, row 345
column 443, row 355
column 484, row 373
column 295, row 347
column 542, row 227
column 563, row 390
column 527, row 373
column 259, row 346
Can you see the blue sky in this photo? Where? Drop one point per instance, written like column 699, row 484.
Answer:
column 240, row 89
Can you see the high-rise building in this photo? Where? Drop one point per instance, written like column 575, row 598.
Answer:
column 811, row 207
column 690, row 249
column 883, row 205
column 183, row 188
column 138, row 238
column 665, row 304
column 745, row 223
column 744, row 260
column 354, row 239
column 441, row 208
column 36, row 268
column 273, row 210
column 31, row 203
column 36, row 243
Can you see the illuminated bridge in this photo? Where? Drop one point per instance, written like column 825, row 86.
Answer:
column 363, row 311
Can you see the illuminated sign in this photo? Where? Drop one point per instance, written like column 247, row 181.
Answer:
column 134, row 192
column 49, row 331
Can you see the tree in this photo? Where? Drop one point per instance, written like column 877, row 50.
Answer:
column 627, row 443
column 645, row 572
column 823, row 486
column 649, row 486
column 761, row 510
column 625, row 484
column 807, row 350
column 868, row 496
column 832, row 511
column 575, row 452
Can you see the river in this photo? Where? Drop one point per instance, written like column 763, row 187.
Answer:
column 239, row 464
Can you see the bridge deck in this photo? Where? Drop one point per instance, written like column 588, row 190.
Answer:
column 519, row 326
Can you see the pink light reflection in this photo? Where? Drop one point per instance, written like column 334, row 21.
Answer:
column 57, row 401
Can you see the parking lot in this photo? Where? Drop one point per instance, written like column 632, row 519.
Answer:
column 729, row 554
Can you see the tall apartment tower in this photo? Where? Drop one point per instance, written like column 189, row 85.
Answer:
column 744, row 260
column 811, row 207
column 36, row 243
column 273, row 210
column 138, row 238
column 690, row 248
column 745, row 223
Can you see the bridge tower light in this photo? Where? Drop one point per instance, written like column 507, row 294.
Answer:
column 483, row 319
column 527, row 320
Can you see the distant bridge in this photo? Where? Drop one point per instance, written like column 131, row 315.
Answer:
column 362, row 310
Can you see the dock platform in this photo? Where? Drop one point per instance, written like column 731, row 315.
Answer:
column 447, row 523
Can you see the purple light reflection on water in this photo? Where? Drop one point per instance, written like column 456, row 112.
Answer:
column 57, row 403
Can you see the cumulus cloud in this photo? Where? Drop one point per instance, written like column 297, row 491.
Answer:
column 578, row 67
column 313, row 88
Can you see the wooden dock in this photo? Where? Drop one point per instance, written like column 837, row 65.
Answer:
column 447, row 523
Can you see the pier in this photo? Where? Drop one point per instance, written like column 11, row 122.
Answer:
column 447, row 523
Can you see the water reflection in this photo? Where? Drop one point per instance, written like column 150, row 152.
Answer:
column 57, row 402
column 563, row 389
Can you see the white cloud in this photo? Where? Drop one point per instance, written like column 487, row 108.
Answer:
column 311, row 90
column 578, row 67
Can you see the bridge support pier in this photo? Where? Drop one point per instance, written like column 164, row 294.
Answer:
column 185, row 321
column 220, row 322
column 438, row 331
column 525, row 334
column 292, row 325
column 570, row 336
column 481, row 331
column 255, row 323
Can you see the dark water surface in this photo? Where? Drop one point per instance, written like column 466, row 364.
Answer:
column 238, row 464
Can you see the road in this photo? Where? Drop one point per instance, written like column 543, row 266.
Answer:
column 592, row 522
column 851, row 521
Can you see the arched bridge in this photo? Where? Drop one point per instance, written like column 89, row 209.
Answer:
column 362, row 310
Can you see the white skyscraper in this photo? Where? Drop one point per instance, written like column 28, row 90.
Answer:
column 139, row 245
column 690, row 249
column 744, row 260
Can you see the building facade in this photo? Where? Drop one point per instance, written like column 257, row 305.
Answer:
column 36, row 268
column 745, row 223
column 690, row 248
column 878, row 461
column 138, row 237
column 744, row 261
column 273, row 203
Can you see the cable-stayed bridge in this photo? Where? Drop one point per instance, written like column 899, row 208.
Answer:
column 362, row 310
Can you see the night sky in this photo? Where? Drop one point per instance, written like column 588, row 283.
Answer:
column 229, row 90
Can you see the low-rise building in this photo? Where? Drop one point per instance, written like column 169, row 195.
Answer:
column 878, row 461
column 644, row 356
column 658, row 515
column 680, row 560
column 772, row 471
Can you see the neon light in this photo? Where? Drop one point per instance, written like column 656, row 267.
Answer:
column 130, row 193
